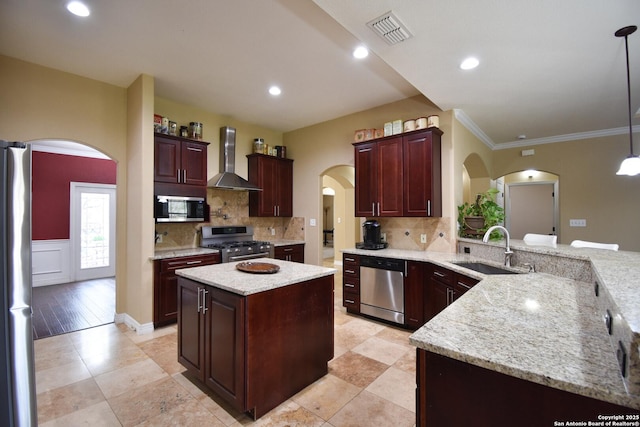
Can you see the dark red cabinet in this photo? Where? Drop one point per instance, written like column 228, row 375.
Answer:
column 294, row 253
column 378, row 168
column 351, row 282
column 422, row 173
column 165, row 285
column 274, row 175
column 180, row 166
column 399, row 175
column 443, row 287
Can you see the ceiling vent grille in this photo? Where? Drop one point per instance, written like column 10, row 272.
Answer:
column 389, row 27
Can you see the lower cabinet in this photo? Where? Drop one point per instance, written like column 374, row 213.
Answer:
column 414, row 284
column 165, row 285
column 294, row 253
column 351, row 283
column 442, row 288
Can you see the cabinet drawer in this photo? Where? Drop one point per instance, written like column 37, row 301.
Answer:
column 443, row 275
column 464, row 283
column 186, row 262
column 351, row 285
column 352, row 260
column 351, row 301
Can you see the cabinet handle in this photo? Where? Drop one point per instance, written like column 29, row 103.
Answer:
column 349, row 259
column 428, row 207
column 349, row 285
column 184, row 176
column 363, row 150
column 437, row 273
column 464, row 285
column 274, row 211
column 193, row 262
column 194, row 149
column 199, row 304
column 449, row 296
column 204, row 303
column 278, row 206
column 373, row 209
column 350, row 271
column 288, row 249
column 378, row 208
column 349, row 301
column 178, row 175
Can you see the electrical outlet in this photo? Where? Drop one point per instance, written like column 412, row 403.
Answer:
column 383, row 237
column 423, row 238
column 273, row 231
column 577, row 223
column 159, row 238
column 312, row 222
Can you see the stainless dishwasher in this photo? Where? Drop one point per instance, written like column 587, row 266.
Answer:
column 382, row 288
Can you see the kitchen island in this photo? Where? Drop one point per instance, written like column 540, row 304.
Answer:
column 256, row 339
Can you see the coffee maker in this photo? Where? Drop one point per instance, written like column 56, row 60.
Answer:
column 372, row 236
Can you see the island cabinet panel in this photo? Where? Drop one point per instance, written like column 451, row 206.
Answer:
column 289, row 341
column 165, row 285
column 275, row 176
column 224, row 345
column 256, row 351
column 491, row 398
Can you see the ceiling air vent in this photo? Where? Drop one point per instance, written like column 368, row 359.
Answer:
column 389, row 27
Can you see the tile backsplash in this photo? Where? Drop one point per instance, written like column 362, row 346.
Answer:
column 404, row 233
column 229, row 207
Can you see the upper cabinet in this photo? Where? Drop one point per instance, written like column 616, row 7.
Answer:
column 275, row 176
column 379, row 177
column 399, row 175
column 178, row 164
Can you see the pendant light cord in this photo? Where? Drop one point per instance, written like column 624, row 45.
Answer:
column 626, row 48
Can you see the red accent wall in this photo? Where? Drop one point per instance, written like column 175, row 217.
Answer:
column 51, row 177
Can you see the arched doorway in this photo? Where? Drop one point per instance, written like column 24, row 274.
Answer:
column 73, row 237
column 344, row 225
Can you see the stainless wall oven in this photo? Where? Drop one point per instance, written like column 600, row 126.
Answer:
column 179, row 209
column 382, row 288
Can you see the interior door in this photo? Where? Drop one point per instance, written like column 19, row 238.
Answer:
column 93, row 230
column 531, row 209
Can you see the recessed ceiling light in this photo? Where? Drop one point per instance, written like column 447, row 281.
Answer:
column 360, row 52
column 275, row 90
column 469, row 63
column 78, row 8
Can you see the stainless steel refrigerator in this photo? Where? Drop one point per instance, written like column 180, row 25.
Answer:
column 17, row 372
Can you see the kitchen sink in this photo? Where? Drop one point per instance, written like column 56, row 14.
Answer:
column 485, row 268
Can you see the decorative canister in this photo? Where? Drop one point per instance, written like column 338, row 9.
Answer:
column 164, row 128
column 388, row 129
column 184, row 131
column 409, row 125
column 369, row 134
column 397, row 127
column 173, row 128
column 378, row 133
column 421, row 122
column 258, row 145
column 358, row 136
column 433, row 122
column 195, row 130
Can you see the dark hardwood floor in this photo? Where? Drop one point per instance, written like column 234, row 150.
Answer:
column 59, row 309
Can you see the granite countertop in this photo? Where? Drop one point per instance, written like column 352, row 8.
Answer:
column 226, row 276
column 285, row 242
column 177, row 253
column 538, row 327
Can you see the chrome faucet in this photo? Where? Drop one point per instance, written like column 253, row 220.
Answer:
column 507, row 252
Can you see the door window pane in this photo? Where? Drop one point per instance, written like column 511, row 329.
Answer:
column 94, row 230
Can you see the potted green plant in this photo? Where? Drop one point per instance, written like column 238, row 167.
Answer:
column 474, row 219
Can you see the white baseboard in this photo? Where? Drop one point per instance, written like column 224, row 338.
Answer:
column 133, row 324
column 50, row 262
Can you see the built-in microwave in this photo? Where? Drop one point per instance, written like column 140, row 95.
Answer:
column 179, row 209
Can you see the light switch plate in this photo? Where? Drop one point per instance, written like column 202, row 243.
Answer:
column 312, row 222
column 423, row 238
column 577, row 223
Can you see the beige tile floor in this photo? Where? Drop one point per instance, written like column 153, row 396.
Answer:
column 110, row 376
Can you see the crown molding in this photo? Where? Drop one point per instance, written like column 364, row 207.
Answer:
column 475, row 129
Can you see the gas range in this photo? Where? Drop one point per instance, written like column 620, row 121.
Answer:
column 235, row 243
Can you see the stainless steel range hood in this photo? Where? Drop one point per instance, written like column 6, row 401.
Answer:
column 227, row 178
